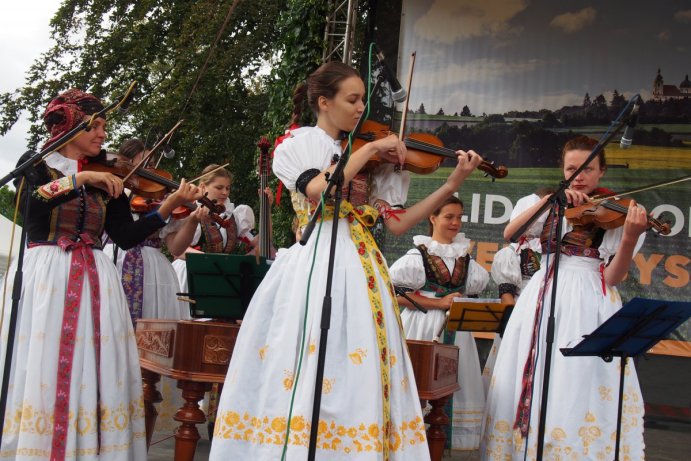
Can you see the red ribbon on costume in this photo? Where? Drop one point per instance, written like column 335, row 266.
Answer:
column 82, row 262
column 522, row 421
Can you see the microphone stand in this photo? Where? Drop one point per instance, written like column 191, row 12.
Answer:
column 558, row 200
column 26, row 170
column 335, row 179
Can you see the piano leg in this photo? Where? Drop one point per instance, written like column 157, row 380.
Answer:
column 151, row 396
column 437, row 420
column 187, row 435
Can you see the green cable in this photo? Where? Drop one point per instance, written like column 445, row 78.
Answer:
column 309, row 278
column 304, row 332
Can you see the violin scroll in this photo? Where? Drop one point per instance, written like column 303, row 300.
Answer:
column 496, row 172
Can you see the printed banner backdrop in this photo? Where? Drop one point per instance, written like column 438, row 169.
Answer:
column 514, row 80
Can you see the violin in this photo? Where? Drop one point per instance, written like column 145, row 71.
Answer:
column 150, row 183
column 425, row 152
column 215, row 210
column 139, row 204
column 608, row 213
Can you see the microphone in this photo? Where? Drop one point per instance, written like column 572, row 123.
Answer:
column 398, row 94
column 168, row 152
column 627, row 137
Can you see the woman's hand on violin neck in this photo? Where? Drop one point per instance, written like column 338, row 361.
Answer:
column 636, row 221
column 467, row 162
column 576, row 198
column 390, row 149
column 186, row 193
column 105, row 181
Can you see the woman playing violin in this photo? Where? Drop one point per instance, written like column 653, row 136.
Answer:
column 200, row 234
column 369, row 406
column 75, row 369
column 148, row 277
column 582, row 407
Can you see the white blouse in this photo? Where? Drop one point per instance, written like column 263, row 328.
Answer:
column 311, row 147
column 409, row 270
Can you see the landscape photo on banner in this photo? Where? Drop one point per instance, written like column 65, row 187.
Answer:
column 514, row 80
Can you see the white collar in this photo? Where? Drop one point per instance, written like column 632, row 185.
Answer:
column 456, row 249
column 64, row 165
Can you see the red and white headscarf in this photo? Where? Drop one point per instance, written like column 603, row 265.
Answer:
column 67, row 110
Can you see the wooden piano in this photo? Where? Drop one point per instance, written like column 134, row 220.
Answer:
column 197, row 354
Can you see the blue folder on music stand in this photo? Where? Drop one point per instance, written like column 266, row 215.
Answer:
column 632, row 330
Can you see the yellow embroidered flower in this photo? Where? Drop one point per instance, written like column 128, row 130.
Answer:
column 373, row 430
column 393, row 360
column 231, row 418
column 297, row 423
column 312, row 349
column 262, row 352
column 322, row 427
column 502, row 426
column 327, row 385
column 278, row 424
column 357, row 356
column 558, row 434
column 288, row 380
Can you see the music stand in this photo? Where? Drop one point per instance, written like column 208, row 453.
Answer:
column 221, row 285
column 632, row 330
column 477, row 314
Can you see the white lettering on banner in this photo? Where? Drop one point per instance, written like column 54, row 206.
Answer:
column 678, row 217
column 490, row 200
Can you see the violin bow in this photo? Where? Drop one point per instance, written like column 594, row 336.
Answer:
column 208, row 173
column 146, row 158
column 644, row 188
column 404, row 112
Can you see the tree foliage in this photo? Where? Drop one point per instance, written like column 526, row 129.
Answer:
column 225, row 93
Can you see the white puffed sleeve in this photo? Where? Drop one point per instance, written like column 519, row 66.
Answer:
column 506, row 267
column 307, row 148
column 389, row 185
column 477, row 278
column 611, row 240
column 522, row 205
column 244, row 218
column 408, row 271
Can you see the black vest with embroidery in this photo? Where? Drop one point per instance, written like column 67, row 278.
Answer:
column 211, row 240
column 581, row 241
column 438, row 277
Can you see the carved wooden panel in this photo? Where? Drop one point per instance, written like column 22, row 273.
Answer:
column 217, row 349
column 445, row 367
column 159, row 342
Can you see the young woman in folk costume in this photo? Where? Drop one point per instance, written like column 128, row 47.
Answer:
column 151, row 286
column 148, row 278
column 200, row 234
column 582, row 406
column 75, row 391
column 440, row 269
column 369, row 404
column 512, row 268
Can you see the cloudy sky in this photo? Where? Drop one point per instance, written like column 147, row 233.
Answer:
column 500, row 55
column 24, row 35
column 492, row 55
